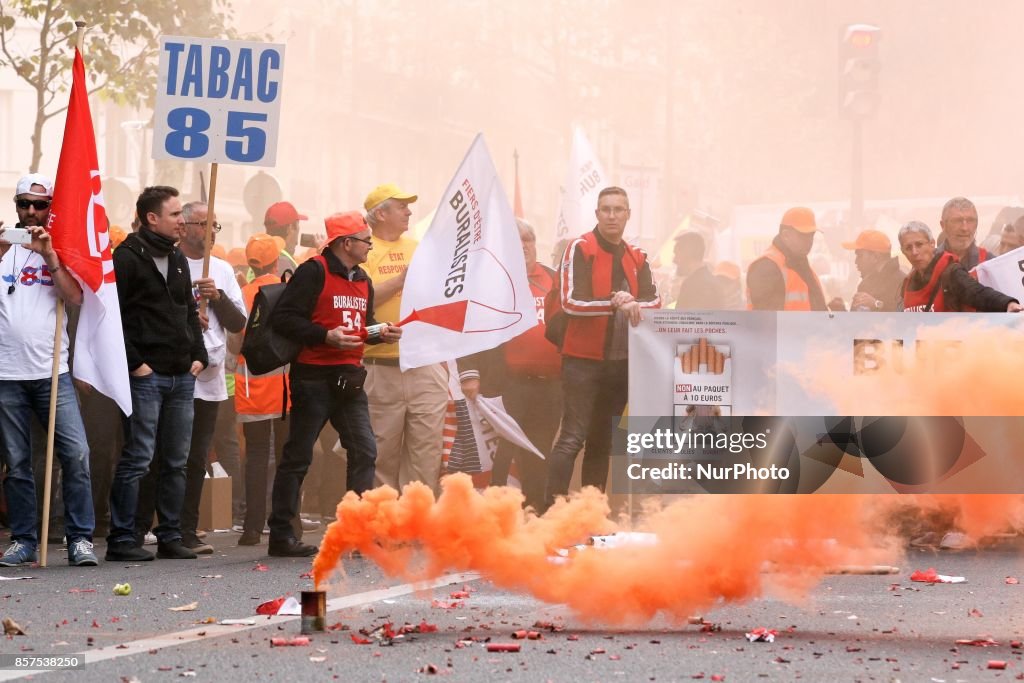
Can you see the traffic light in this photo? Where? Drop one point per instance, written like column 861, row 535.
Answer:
column 859, row 67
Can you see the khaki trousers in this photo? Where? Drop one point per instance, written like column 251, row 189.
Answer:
column 407, row 415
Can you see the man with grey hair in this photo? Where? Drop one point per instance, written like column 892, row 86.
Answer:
column 959, row 226
column 526, row 372
column 939, row 283
column 406, row 408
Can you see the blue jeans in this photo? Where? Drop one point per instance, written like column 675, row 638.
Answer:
column 19, row 400
column 594, row 392
column 161, row 402
column 313, row 404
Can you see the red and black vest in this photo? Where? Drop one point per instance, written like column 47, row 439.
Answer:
column 531, row 353
column 588, row 321
column 916, row 300
column 341, row 302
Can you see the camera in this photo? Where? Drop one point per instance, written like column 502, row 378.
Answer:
column 16, row 236
column 308, row 241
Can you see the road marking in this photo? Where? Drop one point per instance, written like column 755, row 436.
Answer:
column 209, row 631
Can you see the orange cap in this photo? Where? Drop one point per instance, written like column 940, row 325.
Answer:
column 261, row 250
column 870, row 240
column 281, row 214
column 116, row 235
column 344, row 225
column 236, row 257
column 801, row 219
column 219, row 251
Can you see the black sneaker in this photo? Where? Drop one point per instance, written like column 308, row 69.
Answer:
column 174, row 550
column 126, row 551
column 291, row 547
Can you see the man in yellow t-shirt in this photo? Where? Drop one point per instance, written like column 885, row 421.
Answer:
column 406, row 409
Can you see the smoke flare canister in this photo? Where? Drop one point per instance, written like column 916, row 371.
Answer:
column 314, row 611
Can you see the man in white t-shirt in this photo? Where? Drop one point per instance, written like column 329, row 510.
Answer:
column 32, row 281
column 225, row 312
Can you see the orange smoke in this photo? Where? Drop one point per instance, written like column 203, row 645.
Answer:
column 963, row 367
column 710, row 547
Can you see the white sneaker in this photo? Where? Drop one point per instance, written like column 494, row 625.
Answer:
column 309, row 524
column 150, row 538
column 955, row 540
column 237, row 528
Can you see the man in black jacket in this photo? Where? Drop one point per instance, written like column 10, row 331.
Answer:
column 881, row 277
column 165, row 351
column 698, row 289
column 327, row 307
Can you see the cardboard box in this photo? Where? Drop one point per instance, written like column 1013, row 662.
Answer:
column 215, row 504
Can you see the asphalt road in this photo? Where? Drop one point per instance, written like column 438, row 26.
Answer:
column 850, row 628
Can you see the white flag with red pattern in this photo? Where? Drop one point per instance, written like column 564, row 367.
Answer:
column 78, row 224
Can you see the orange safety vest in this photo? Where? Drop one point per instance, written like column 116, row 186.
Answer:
column 798, row 294
column 260, row 396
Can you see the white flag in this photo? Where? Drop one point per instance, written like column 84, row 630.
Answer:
column 466, row 288
column 1004, row 273
column 583, row 182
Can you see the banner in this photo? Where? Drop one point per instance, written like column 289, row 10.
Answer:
column 1005, row 273
column 584, row 180
column 78, row 223
column 466, row 289
column 767, row 402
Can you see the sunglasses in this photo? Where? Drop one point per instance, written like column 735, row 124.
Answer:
column 37, row 204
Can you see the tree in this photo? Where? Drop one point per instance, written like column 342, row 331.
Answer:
column 121, row 47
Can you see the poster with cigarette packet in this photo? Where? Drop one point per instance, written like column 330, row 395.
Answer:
column 702, row 363
column 703, row 379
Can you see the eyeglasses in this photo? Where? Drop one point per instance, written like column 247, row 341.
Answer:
column 216, row 226
column 613, row 210
column 37, row 204
column 360, row 239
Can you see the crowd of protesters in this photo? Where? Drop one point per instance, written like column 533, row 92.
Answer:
column 344, row 398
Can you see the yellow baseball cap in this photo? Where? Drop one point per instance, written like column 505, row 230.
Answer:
column 387, row 191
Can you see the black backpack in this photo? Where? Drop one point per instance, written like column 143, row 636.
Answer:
column 265, row 349
column 555, row 318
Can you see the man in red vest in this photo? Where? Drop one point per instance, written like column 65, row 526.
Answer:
column 525, row 372
column 327, row 306
column 605, row 283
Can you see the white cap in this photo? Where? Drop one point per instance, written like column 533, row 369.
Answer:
column 26, row 183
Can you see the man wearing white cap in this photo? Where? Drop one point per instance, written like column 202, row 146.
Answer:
column 33, row 279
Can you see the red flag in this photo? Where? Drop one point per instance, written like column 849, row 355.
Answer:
column 78, row 225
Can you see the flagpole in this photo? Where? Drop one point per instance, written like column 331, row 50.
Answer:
column 208, row 244
column 51, row 424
